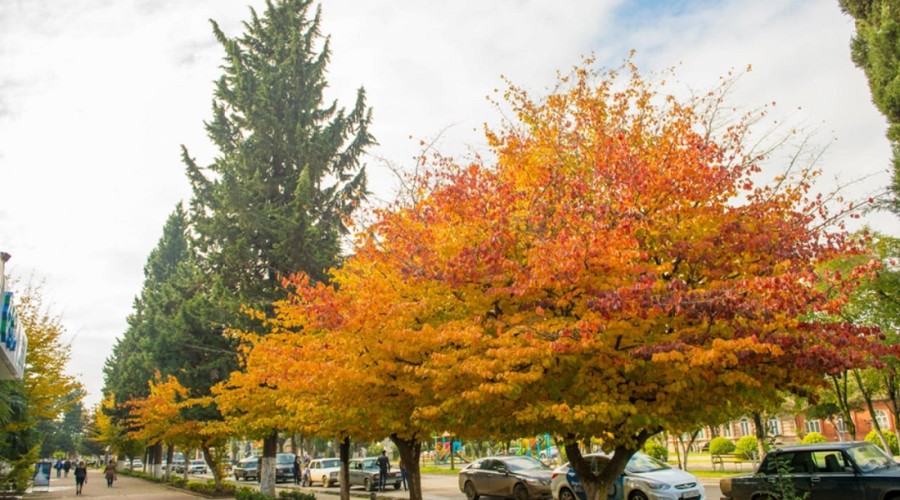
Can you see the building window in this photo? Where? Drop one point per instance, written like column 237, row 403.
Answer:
column 813, row 426
column 745, row 427
column 883, row 420
column 840, row 425
column 774, row 427
column 726, row 430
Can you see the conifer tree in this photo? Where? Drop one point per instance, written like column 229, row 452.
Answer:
column 288, row 174
column 876, row 50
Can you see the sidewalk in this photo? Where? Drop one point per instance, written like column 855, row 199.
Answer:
column 96, row 488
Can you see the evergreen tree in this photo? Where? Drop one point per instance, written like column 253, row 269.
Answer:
column 288, row 174
column 876, row 49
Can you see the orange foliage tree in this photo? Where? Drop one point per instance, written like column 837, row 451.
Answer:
column 615, row 271
column 164, row 417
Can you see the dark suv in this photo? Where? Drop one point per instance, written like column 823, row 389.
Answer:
column 247, row 469
column 827, row 471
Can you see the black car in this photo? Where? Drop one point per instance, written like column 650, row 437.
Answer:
column 284, row 467
column 247, row 469
column 828, row 471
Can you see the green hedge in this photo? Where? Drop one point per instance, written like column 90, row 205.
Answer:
column 721, row 446
column 656, row 450
column 746, row 447
column 813, row 438
column 889, row 436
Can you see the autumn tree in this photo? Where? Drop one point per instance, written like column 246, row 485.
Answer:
column 274, row 201
column 876, row 50
column 616, row 272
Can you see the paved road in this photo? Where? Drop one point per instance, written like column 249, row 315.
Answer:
column 434, row 486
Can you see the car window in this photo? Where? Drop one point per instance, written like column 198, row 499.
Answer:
column 791, row 462
column 516, row 464
column 641, row 463
column 869, row 457
column 331, row 463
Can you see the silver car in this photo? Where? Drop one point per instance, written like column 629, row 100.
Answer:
column 645, row 478
column 519, row 477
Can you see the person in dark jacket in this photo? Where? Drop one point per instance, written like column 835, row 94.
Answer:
column 110, row 473
column 67, row 466
column 384, row 465
column 80, row 477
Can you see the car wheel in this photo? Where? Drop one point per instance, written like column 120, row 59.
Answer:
column 566, row 494
column 520, row 492
column 396, row 486
column 471, row 494
column 367, row 485
column 325, row 482
column 638, row 495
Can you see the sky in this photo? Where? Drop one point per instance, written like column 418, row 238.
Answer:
column 97, row 97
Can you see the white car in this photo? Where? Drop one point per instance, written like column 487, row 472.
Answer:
column 325, row 471
column 645, row 478
column 197, row 467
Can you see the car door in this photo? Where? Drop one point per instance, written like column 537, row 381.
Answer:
column 489, row 477
column 835, row 478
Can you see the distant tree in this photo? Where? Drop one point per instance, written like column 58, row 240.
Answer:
column 876, row 49
column 288, row 175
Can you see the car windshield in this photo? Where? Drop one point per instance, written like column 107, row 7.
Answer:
column 284, row 458
column 869, row 457
column 249, row 464
column 328, row 464
column 197, row 462
column 524, row 463
column 641, row 463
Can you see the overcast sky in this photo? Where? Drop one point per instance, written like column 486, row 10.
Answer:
column 96, row 97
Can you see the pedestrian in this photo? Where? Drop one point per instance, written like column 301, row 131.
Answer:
column 110, row 473
column 67, row 466
column 403, row 474
column 58, row 466
column 297, row 469
column 80, row 476
column 384, row 465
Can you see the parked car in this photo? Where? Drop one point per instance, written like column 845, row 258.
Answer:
column 284, row 467
column 325, row 470
column 826, row 471
column 137, row 464
column 520, row 477
column 178, row 466
column 551, row 453
column 645, row 478
column 197, row 467
column 366, row 473
column 247, row 469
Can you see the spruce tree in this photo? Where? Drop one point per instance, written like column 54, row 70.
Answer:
column 876, row 50
column 275, row 199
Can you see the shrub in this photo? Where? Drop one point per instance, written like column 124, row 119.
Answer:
column 813, row 438
column 889, row 436
column 656, row 450
column 747, row 447
column 721, row 446
column 245, row 493
column 179, row 482
column 296, row 495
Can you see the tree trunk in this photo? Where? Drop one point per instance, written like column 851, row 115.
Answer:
column 597, row 485
column 868, row 398
column 212, row 462
column 344, row 450
column 892, row 388
column 170, row 455
column 761, row 435
column 156, row 460
column 267, row 465
column 410, row 452
column 843, row 401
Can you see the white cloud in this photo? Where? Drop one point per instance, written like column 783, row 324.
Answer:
column 97, row 96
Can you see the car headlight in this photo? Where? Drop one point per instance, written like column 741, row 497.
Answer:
column 653, row 485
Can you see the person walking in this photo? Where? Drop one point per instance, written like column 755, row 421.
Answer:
column 110, row 473
column 403, row 474
column 80, row 477
column 297, row 469
column 58, row 466
column 384, row 465
column 67, row 466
